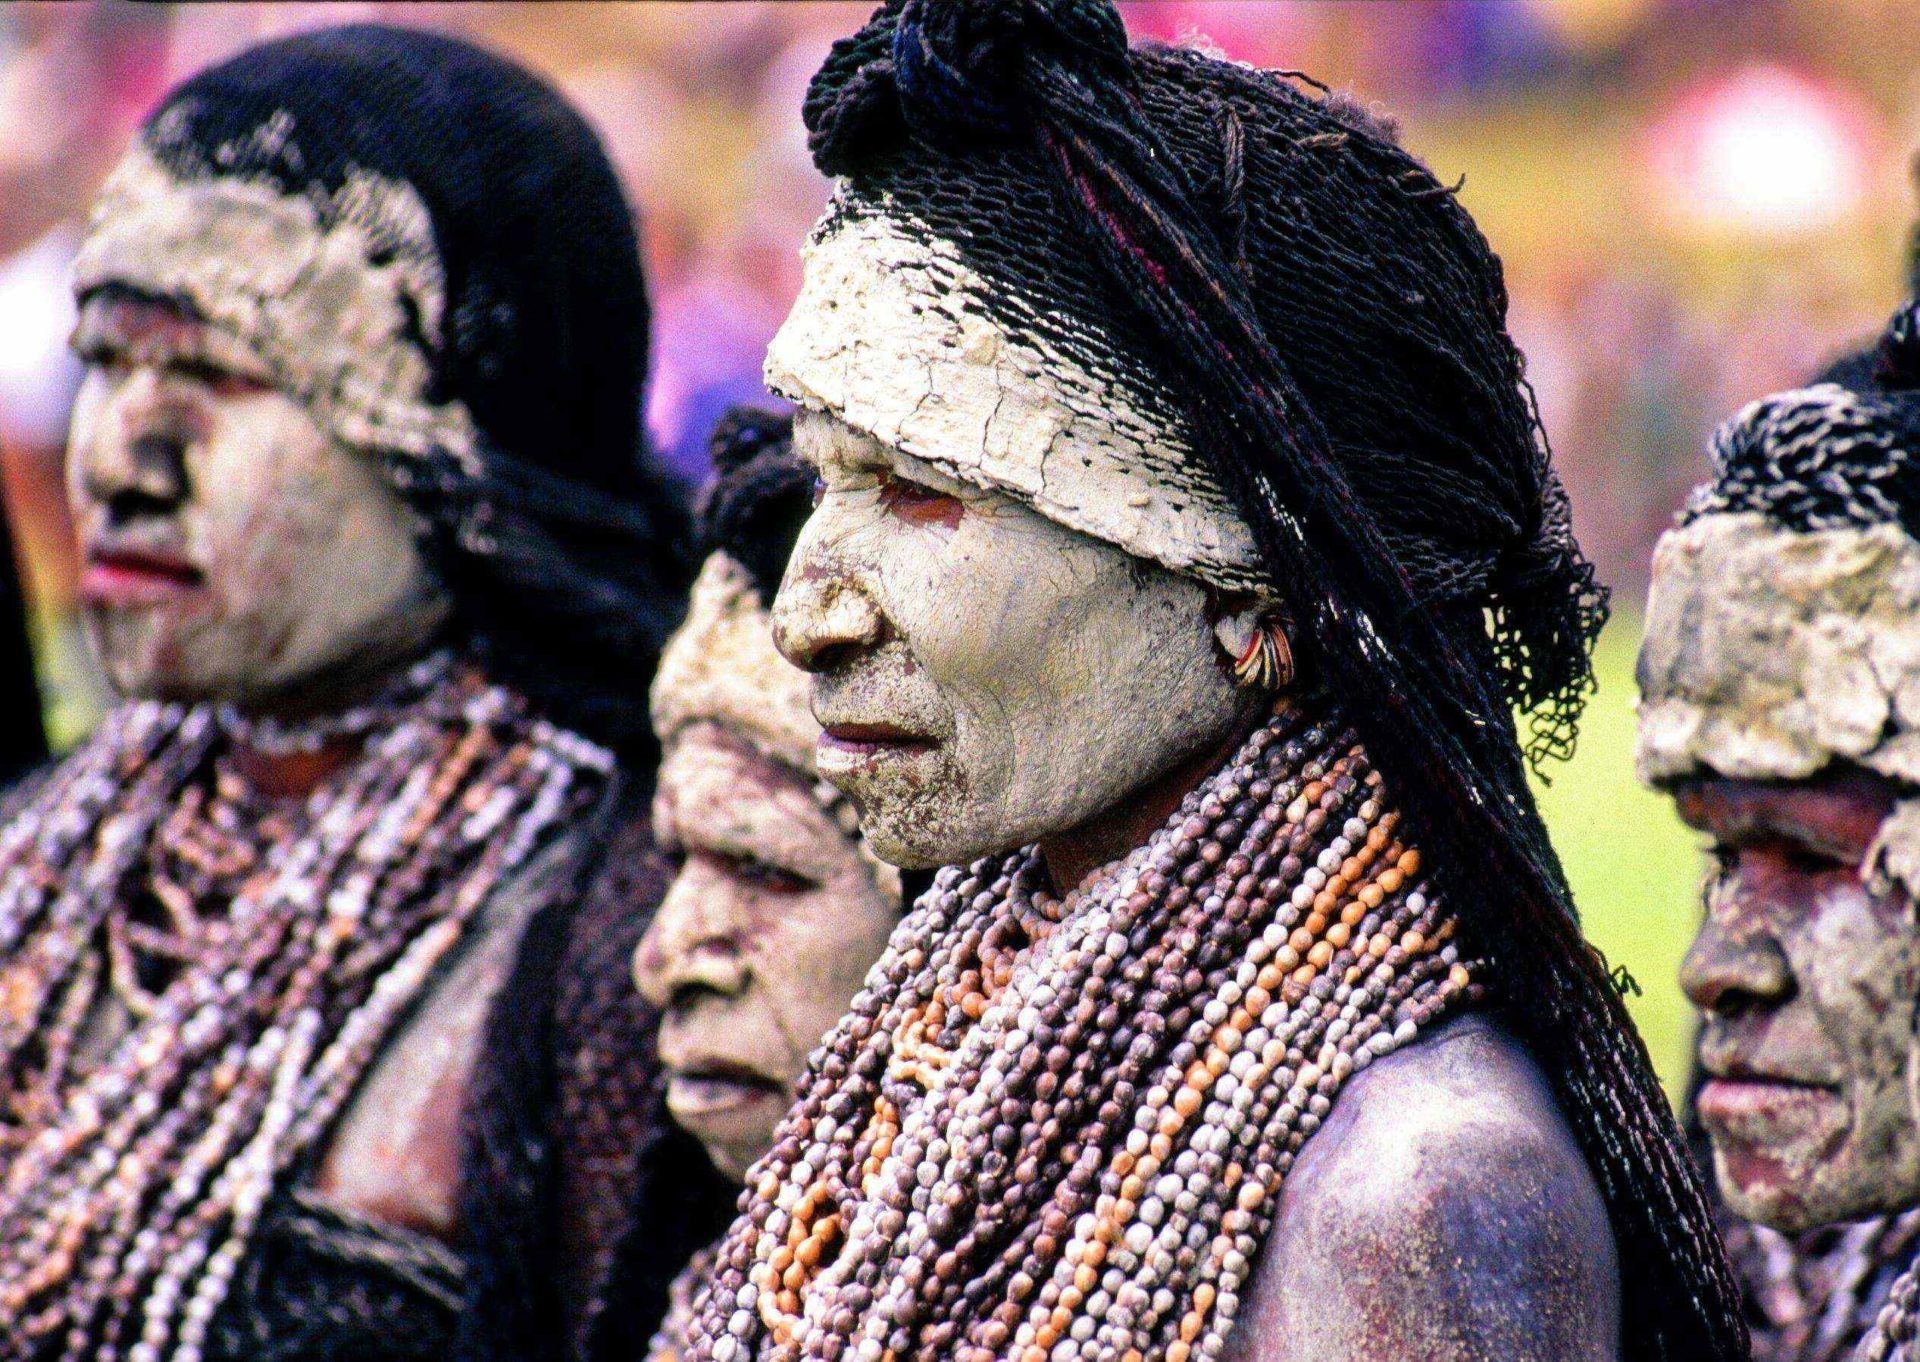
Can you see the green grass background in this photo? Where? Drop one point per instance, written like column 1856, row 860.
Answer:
column 1635, row 867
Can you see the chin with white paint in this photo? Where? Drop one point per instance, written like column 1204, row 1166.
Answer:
column 232, row 549
column 984, row 676
column 761, row 942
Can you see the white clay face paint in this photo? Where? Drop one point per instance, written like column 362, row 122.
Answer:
column 1845, row 1145
column 305, row 557
column 341, row 299
column 768, row 931
column 1046, row 675
column 893, row 333
column 1771, row 653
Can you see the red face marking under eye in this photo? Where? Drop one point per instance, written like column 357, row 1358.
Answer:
column 919, row 505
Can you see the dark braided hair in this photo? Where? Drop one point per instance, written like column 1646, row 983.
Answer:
column 1333, row 325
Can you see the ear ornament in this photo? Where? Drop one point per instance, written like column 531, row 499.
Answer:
column 1257, row 643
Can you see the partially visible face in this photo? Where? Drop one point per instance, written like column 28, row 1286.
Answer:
column 986, row 677
column 1807, row 981
column 764, row 938
column 232, row 549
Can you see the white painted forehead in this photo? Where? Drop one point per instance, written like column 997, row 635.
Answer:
column 892, row 333
column 1770, row 653
column 330, row 295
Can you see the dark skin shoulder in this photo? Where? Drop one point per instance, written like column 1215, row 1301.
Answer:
column 1444, row 1213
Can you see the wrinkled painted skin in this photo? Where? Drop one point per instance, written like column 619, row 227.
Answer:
column 766, row 935
column 1807, row 975
column 234, row 551
column 987, row 679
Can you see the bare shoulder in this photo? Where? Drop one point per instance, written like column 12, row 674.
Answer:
column 1443, row 1213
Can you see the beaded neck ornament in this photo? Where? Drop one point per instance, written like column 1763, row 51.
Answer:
column 1897, row 1328
column 1057, row 1128
column 194, row 979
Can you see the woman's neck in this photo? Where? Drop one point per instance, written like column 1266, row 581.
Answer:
column 286, row 744
column 1072, row 857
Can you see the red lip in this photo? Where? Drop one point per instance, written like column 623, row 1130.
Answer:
column 865, row 738
column 132, row 577
column 1733, row 1101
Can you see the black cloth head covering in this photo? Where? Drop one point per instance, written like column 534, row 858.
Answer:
column 1333, row 325
column 565, row 549
column 1842, row 452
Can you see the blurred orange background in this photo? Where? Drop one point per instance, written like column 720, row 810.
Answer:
column 1697, row 201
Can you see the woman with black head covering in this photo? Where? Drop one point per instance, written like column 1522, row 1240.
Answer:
column 1186, row 541
column 375, row 558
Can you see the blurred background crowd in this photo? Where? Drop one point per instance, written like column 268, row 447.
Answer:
column 1697, row 201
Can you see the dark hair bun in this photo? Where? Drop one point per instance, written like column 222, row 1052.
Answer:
column 760, row 496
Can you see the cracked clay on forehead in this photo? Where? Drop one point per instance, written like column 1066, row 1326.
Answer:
column 1771, row 653
column 892, row 333
column 337, row 292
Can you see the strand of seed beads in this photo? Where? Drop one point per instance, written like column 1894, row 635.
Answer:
column 1200, row 921
column 175, row 1106
column 844, row 1079
column 1211, row 1054
column 1099, row 971
column 1197, row 971
column 1898, row 1325
column 1109, row 1090
column 1175, row 1094
column 947, row 971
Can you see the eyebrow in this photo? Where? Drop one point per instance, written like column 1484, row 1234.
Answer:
column 721, row 836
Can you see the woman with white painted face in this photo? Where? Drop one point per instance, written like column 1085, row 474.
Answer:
column 373, row 558
column 1185, row 541
column 777, row 908
column 1777, row 708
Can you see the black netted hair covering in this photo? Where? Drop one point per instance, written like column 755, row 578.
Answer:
column 1843, row 452
column 567, row 555
column 1332, row 325
column 760, row 495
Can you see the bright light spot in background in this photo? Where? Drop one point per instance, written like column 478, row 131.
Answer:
column 38, row 373
column 1764, row 150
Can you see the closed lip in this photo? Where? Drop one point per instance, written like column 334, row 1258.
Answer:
column 709, row 1086
column 1728, row 1098
column 116, row 575
column 860, row 739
